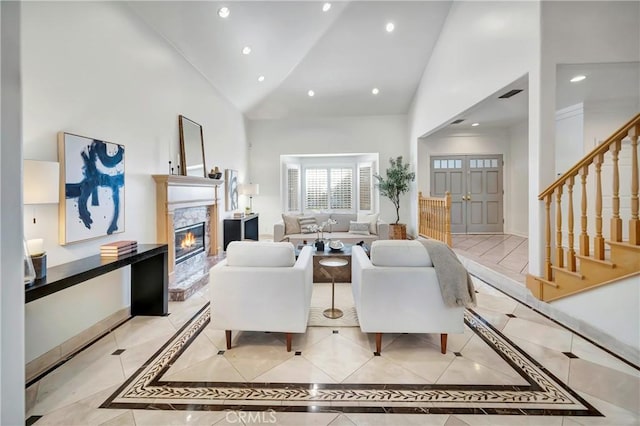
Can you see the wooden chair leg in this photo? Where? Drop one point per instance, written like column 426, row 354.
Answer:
column 443, row 343
column 378, row 342
column 228, row 336
column 289, row 336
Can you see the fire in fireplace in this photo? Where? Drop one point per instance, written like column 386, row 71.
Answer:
column 189, row 241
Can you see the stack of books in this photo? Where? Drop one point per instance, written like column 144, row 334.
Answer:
column 238, row 215
column 118, row 248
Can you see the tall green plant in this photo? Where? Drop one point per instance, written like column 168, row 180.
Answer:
column 396, row 182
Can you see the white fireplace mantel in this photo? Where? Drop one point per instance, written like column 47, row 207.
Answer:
column 177, row 192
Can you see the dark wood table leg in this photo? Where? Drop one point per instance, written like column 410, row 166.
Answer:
column 150, row 286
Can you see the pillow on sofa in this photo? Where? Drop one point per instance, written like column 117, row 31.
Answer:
column 291, row 224
column 305, row 222
column 342, row 221
column 399, row 253
column 372, row 219
column 359, row 228
column 260, row 254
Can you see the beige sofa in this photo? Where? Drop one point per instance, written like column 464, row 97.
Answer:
column 286, row 229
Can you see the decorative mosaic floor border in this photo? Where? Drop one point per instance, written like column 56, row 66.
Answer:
column 544, row 394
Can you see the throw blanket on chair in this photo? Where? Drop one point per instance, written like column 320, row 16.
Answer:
column 455, row 283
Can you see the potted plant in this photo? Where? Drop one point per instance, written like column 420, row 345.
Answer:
column 397, row 180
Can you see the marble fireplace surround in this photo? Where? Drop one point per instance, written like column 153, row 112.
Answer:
column 180, row 201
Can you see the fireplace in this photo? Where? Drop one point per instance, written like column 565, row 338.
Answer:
column 189, row 241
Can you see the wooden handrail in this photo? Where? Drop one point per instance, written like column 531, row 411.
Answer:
column 620, row 134
column 434, row 217
column 602, row 258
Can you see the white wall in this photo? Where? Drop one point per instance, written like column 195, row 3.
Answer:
column 12, row 371
column 517, row 212
column 483, row 47
column 614, row 309
column 271, row 138
column 569, row 137
column 97, row 70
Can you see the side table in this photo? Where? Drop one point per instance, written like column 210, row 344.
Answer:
column 333, row 262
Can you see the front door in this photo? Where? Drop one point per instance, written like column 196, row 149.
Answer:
column 475, row 184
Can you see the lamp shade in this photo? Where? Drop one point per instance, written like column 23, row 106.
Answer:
column 249, row 189
column 41, row 182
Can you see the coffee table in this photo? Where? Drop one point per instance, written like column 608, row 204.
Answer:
column 341, row 274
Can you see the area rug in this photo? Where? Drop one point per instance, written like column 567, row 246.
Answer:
column 348, row 319
column 543, row 394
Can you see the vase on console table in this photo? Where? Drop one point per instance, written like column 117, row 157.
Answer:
column 319, row 245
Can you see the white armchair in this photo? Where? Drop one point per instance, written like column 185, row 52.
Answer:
column 397, row 291
column 261, row 287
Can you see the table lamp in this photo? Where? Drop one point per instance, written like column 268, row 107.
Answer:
column 249, row 189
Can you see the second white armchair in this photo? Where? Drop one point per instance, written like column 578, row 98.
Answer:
column 397, row 291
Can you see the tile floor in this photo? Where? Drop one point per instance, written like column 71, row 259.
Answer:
column 200, row 381
column 503, row 253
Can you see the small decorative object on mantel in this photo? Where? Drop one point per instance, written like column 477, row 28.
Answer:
column 215, row 173
column 238, row 215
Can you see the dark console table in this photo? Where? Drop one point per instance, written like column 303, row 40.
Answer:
column 149, row 278
column 244, row 228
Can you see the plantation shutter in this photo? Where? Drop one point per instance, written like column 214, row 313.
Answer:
column 316, row 189
column 293, row 189
column 341, row 188
column 365, row 191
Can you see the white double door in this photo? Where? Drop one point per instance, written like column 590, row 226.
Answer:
column 475, row 184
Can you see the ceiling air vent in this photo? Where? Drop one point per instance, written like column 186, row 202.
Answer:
column 458, row 121
column 510, row 93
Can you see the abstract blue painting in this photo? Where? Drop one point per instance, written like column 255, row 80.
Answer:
column 93, row 188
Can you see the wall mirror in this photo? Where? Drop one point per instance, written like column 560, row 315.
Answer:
column 191, row 148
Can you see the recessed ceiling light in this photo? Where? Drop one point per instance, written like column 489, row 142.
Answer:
column 246, row 50
column 261, row 78
column 311, row 93
column 390, row 27
column 475, row 124
column 224, row 12
column 326, row 7
column 578, row 78
column 375, row 90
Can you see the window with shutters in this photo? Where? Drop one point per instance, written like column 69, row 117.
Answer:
column 316, row 184
column 336, row 182
column 365, row 187
column 293, row 189
column 328, row 188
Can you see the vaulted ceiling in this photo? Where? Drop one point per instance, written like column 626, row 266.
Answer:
column 341, row 54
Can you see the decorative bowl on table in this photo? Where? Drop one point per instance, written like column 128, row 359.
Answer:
column 336, row 245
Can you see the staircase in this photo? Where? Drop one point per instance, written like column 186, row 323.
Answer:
column 601, row 257
column 434, row 217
